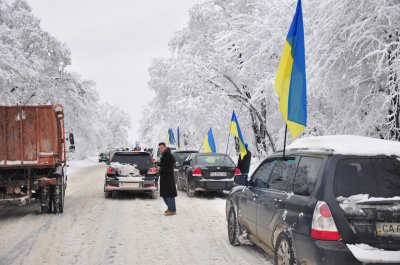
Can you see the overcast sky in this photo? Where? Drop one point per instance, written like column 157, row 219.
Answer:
column 113, row 42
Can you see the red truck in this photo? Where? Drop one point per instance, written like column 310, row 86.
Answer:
column 33, row 156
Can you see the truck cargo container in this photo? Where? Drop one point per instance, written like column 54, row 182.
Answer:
column 33, row 156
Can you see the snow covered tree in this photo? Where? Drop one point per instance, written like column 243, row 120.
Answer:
column 230, row 49
column 33, row 70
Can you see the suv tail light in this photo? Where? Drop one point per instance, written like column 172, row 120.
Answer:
column 323, row 226
column 111, row 171
column 237, row 172
column 197, row 172
column 152, row 171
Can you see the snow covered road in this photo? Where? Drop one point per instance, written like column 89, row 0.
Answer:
column 130, row 229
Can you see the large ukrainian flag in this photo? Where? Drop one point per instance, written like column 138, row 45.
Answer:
column 209, row 143
column 235, row 130
column 290, row 84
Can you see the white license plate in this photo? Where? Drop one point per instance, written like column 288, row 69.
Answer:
column 388, row 229
column 131, row 185
column 218, row 174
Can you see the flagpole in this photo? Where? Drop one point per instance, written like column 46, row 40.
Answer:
column 284, row 142
column 227, row 144
column 201, row 146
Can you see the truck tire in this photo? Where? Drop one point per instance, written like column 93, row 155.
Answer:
column 45, row 200
column 58, row 198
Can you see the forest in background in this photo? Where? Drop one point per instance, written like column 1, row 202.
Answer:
column 226, row 59
column 34, row 70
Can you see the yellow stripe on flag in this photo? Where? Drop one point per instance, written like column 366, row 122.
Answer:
column 282, row 85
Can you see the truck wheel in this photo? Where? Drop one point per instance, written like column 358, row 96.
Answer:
column 189, row 189
column 58, row 199
column 45, row 200
column 108, row 194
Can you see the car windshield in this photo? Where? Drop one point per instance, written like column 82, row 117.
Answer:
column 375, row 177
column 140, row 160
column 181, row 157
column 214, row 160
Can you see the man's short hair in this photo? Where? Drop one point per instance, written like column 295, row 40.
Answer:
column 162, row 143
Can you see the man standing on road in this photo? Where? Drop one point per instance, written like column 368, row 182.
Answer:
column 244, row 164
column 167, row 180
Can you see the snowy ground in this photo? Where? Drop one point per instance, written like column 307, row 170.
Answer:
column 127, row 230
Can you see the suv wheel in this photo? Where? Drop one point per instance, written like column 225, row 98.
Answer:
column 284, row 251
column 233, row 228
column 108, row 194
column 154, row 194
column 189, row 189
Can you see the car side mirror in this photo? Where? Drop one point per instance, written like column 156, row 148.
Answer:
column 71, row 139
column 240, row 180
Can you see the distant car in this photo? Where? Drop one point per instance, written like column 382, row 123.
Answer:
column 103, row 157
column 206, row 172
column 322, row 203
column 130, row 172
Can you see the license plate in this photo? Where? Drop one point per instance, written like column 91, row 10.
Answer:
column 388, row 229
column 218, row 174
column 131, row 185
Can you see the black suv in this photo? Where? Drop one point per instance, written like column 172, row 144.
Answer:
column 319, row 207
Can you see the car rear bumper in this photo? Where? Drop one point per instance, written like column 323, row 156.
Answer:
column 317, row 252
column 213, row 185
column 142, row 186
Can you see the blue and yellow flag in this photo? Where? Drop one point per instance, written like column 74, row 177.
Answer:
column 171, row 137
column 235, row 130
column 290, row 84
column 209, row 144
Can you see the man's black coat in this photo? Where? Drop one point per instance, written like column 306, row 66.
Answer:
column 167, row 180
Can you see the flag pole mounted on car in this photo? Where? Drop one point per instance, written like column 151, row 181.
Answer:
column 290, row 84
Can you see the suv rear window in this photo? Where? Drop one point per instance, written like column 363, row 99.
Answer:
column 375, row 177
column 140, row 160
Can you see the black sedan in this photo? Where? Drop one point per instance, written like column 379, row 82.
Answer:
column 206, row 172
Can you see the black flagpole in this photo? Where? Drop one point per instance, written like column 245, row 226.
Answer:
column 284, row 142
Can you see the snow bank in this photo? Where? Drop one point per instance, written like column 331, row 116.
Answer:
column 368, row 254
column 348, row 145
column 77, row 165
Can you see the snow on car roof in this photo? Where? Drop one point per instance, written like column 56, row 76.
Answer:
column 348, row 145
